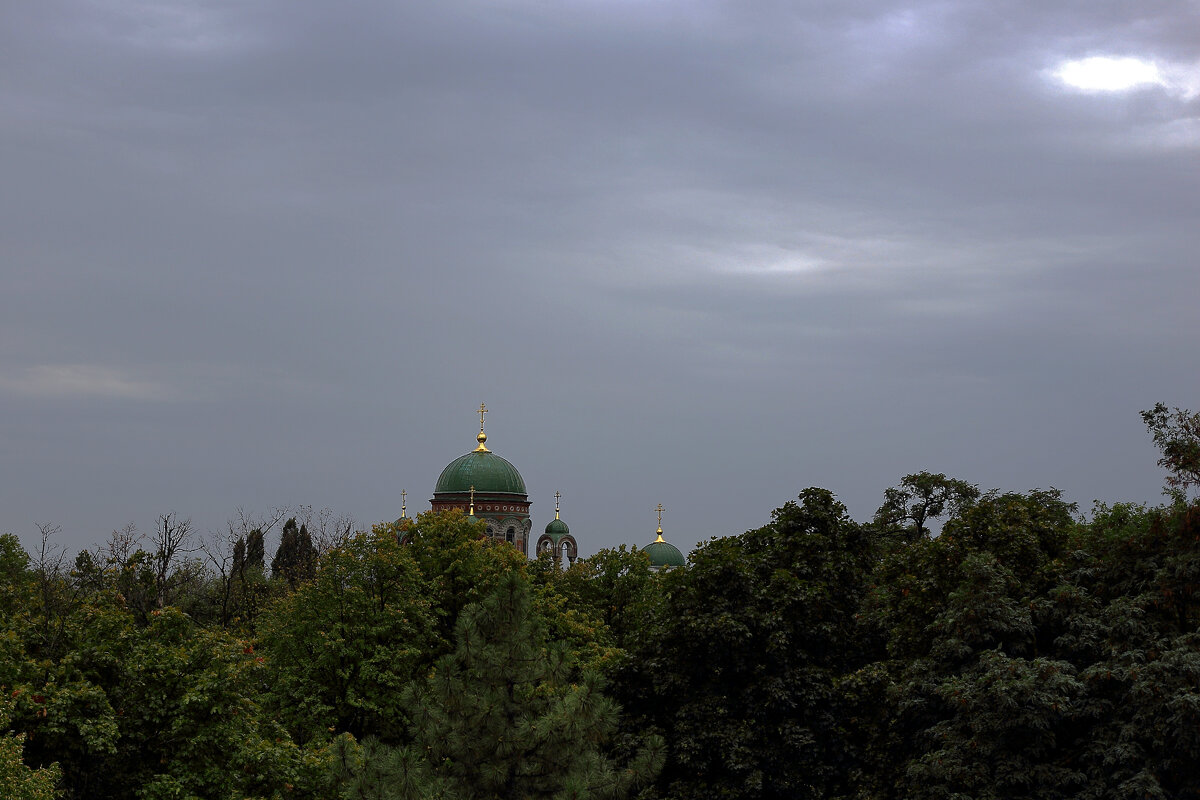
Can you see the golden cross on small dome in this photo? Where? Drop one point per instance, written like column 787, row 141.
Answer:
column 471, row 511
column 659, row 509
column 556, row 497
column 403, row 507
column 482, row 437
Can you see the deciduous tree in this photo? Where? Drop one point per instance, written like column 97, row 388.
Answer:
column 741, row 663
column 923, row 496
column 343, row 645
column 17, row 781
column 1176, row 434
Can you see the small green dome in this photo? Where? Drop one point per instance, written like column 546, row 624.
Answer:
column 664, row 554
column 486, row 471
column 557, row 528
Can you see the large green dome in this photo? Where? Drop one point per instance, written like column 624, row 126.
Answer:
column 664, row 554
column 486, row 471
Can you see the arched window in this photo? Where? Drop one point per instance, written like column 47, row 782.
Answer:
column 511, row 535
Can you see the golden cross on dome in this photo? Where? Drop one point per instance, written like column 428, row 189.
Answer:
column 482, row 437
column 403, row 507
column 556, row 496
column 471, row 512
column 659, row 509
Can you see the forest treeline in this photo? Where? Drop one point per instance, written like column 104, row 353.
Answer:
column 1021, row 651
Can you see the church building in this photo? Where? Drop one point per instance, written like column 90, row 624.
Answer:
column 484, row 485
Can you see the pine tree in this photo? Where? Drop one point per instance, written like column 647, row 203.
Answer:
column 502, row 718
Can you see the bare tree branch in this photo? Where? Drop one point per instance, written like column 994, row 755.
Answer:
column 172, row 539
column 121, row 545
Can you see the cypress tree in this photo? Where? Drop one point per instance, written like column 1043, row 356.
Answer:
column 239, row 556
column 256, row 550
column 296, row 558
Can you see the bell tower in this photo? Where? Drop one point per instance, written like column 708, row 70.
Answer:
column 557, row 539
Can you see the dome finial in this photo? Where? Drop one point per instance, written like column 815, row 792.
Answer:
column 471, row 510
column 482, row 437
column 403, row 506
column 659, row 509
column 556, row 497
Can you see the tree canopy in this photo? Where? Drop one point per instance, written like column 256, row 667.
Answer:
column 1021, row 650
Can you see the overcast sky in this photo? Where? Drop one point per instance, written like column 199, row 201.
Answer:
column 257, row 253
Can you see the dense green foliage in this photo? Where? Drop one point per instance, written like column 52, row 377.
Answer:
column 739, row 665
column 506, row 715
column 17, row 781
column 1022, row 651
column 342, row 646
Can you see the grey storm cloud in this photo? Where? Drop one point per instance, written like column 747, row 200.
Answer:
column 697, row 253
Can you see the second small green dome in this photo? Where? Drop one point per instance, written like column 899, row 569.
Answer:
column 557, row 528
